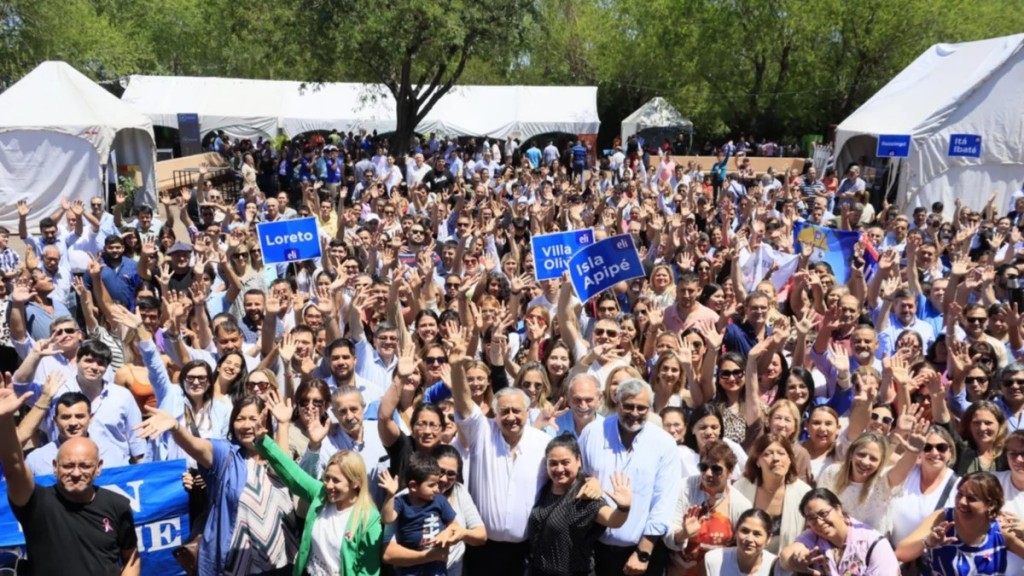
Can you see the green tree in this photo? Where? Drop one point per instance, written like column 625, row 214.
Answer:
column 417, row 50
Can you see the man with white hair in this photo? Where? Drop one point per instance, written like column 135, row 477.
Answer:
column 583, row 395
column 628, row 443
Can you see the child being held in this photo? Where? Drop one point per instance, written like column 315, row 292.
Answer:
column 424, row 520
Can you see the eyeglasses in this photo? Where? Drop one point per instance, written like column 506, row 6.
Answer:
column 316, row 403
column 716, row 469
column 201, row 379
column 820, row 516
column 730, row 373
column 1013, row 383
column 975, row 319
column 426, row 426
column 887, row 420
column 259, row 386
column 941, row 448
column 975, row 379
column 636, row 408
column 430, row 360
column 65, row 331
column 606, row 332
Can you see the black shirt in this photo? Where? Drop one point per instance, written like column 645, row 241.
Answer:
column 64, row 537
column 562, row 532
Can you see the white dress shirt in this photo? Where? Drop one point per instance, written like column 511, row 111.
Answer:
column 503, row 481
column 653, row 466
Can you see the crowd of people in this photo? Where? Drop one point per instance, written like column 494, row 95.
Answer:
column 414, row 402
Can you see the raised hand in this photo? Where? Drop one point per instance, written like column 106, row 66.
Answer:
column 122, row 316
column 158, row 423
column 282, row 410
column 23, row 208
column 287, row 348
column 838, row 357
column 407, row 361
column 45, row 347
column 710, row 332
column 22, row 291
column 78, row 208
column 548, row 416
column 938, row 536
column 621, row 493
column 10, row 402
column 388, row 482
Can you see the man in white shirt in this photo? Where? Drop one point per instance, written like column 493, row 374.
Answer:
column 505, row 470
column 349, row 433
column 628, row 443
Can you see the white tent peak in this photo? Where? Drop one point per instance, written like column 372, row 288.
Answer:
column 970, row 88
column 58, row 98
column 656, row 113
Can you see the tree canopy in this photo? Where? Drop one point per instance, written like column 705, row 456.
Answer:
column 774, row 68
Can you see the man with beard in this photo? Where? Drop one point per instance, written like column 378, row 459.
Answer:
column 254, row 303
column 627, row 443
column 903, row 303
column 742, row 337
column 120, row 275
column 861, row 341
column 584, row 396
column 349, row 433
column 72, row 418
column 73, row 523
column 687, row 311
column 340, row 357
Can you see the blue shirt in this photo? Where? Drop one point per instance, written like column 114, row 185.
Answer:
column 741, row 338
column 960, row 558
column 654, row 467
column 579, row 155
column 38, row 320
column 533, row 155
column 417, row 526
column 226, row 480
column 121, row 282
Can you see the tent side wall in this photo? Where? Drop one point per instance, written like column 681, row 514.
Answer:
column 993, row 110
column 42, row 167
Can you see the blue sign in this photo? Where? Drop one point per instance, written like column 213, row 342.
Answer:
column 189, row 136
column 600, row 266
column 159, row 504
column 551, row 252
column 289, row 240
column 893, row 146
column 966, row 145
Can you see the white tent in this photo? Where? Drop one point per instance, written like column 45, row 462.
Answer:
column 245, row 108
column 970, row 88
column 657, row 113
column 241, row 108
column 57, row 132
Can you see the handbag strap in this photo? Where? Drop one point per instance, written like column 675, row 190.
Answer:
column 945, row 493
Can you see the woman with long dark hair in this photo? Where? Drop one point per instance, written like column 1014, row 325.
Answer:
column 563, row 528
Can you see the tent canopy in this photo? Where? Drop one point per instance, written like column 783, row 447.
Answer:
column 57, row 132
column 243, row 108
column 657, row 113
column 967, row 88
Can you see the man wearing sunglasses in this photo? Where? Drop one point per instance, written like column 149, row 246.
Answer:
column 628, row 443
column 602, row 354
column 1011, row 395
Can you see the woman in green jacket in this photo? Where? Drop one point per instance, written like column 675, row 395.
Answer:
column 343, row 530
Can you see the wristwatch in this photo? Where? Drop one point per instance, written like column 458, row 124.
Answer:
column 642, row 556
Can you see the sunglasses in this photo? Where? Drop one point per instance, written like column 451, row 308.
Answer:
column 1014, row 382
column 240, row 255
column 196, row 379
column 65, row 331
column 941, row 448
column 606, row 332
column 450, row 473
column 316, row 403
column 975, row 319
column 730, row 373
column 260, row 386
column 716, row 469
column 975, row 379
column 435, row 360
column 887, row 420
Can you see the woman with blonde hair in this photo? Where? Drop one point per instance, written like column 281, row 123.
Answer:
column 662, row 287
column 342, row 533
column 784, row 419
column 615, row 377
column 864, row 483
column 533, row 379
column 669, row 379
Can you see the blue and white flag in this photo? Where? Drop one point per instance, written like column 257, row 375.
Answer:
column 836, row 248
column 598, row 267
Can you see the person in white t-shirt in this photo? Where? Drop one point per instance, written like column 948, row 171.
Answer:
column 930, row 486
column 748, row 557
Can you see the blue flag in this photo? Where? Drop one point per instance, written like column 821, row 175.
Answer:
column 833, row 247
column 159, row 505
column 600, row 266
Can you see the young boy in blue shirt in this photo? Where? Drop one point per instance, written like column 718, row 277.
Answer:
column 422, row 516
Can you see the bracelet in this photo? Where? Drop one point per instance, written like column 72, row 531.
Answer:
column 45, row 408
column 623, row 508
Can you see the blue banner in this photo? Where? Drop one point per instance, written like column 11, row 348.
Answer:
column 159, row 505
column 189, row 136
column 965, row 145
column 893, row 146
column 551, row 252
column 289, row 240
column 600, row 266
column 834, row 247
